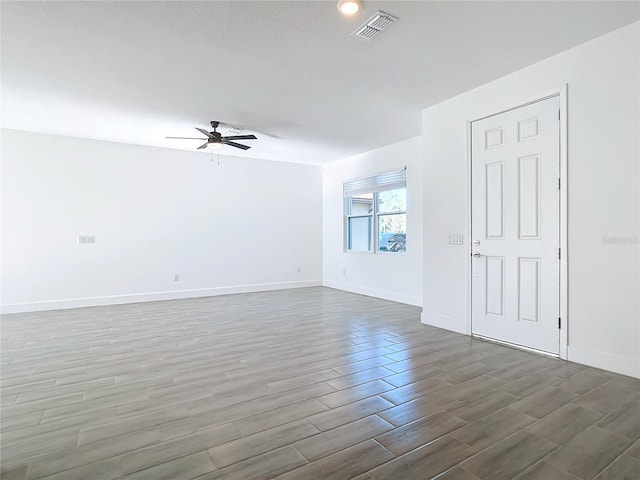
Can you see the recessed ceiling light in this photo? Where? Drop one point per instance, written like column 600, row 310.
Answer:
column 349, row 7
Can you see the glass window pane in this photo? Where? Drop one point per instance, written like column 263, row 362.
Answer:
column 360, row 233
column 361, row 204
column 392, row 233
column 391, row 201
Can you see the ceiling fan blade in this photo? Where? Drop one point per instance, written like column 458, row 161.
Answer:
column 241, row 137
column 234, row 144
column 204, row 145
column 187, row 138
column 204, row 132
column 250, row 128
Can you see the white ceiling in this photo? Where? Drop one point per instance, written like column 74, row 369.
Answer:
column 135, row 72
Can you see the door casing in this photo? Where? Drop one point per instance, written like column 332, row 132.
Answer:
column 563, row 307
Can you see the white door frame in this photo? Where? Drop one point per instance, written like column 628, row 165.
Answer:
column 563, row 197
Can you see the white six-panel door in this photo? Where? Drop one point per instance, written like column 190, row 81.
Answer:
column 515, row 216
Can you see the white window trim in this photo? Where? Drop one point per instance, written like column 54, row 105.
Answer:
column 385, row 181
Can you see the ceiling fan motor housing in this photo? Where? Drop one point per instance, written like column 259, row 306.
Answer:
column 216, row 140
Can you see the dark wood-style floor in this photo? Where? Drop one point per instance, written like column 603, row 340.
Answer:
column 300, row 384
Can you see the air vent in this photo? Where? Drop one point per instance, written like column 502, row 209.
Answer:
column 376, row 24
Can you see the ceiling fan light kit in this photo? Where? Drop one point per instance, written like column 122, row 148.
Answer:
column 349, row 7
column 216, row 141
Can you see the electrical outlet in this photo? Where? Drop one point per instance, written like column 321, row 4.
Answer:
column 297, row 269
column 86, row 239
column 344, row 271
column 176, row 277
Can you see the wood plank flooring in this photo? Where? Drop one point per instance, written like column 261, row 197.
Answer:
column 310, row 383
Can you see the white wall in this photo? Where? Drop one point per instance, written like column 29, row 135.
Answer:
column 603, row 162
column 244, row 225
column 396, row 277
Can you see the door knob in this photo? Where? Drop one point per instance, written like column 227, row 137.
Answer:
column 476, row 255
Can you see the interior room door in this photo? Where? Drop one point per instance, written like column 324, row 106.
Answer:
column 515, row 163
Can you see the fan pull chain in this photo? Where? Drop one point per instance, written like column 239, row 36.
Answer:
column 218, row 155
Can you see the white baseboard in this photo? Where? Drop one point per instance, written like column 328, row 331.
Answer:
column 447, row 323
column 151, row 297
column 606, row 361
column 374, row 292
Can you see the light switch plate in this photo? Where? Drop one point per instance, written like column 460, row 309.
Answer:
column 84, row 239
column 456, row 239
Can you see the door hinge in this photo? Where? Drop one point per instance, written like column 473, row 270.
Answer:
column 559, row 323
column 559, row 184
column 559, row 256
column 558, row 114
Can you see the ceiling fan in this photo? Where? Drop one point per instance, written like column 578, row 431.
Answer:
column 215, row 139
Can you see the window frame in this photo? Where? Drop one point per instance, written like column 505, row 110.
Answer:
column 374, row 215
column 347, row 225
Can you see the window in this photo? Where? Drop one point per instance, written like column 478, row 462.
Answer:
column 375, row 213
